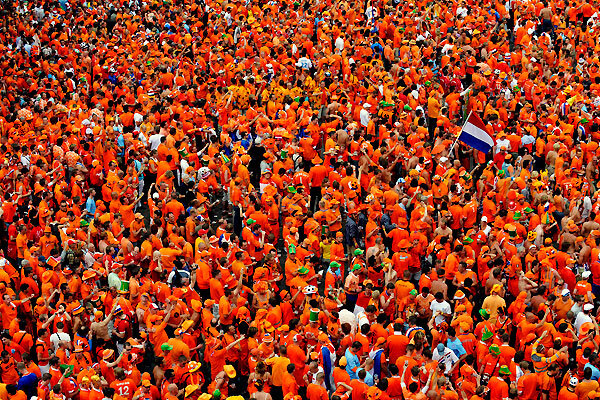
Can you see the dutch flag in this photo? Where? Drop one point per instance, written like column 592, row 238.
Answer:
column 474, row 134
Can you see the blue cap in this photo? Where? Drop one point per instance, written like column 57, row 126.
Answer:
column 440, row 347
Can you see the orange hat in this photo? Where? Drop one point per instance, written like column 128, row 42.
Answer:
column 268, row 327
column 187, row 324
column 108, row 353
column 585, row 328
column 88, row 274
column 464, row 326
column 196, row 305
column 46, row 276
column 404, row 244
column 243, row 312
column 230, row 371
column 209, row 303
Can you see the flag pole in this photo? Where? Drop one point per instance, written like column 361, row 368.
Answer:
column 456, row 140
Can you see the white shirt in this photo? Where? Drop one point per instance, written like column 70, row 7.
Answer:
column 447, row 357
column 363, row 319
column 26, row 160
column 442, row 307
column 502, row 142
column 155, row 141
column 506, row 93
column 89, row 259
column 143, row 139
column 581, row 319
column 365, row 117
column 339, row 43
column 314, row 376
column 39, row 13
column 228, row 18
column 519, row 373
column 138, row 119
column 527, row 139
column 447, row 48
column 304, row 63
column 57, row 337
column 587, row 207
column 487, row 229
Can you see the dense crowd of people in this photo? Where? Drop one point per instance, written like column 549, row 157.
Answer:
column 270, row 200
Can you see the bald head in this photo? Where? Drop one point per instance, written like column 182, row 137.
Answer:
column 172, row 388
column 433, row 395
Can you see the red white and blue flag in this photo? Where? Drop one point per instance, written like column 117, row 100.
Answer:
column 474, row 134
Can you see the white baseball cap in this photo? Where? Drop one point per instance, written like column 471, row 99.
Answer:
column 484, row 219
column 565, row 292
column 586, row 274
column 588, row 307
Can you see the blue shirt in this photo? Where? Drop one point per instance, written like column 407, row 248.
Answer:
column 90, row 205
column 121, row 144
column 376, row 47
column 28, row 384
column 368, row 379
column 456, row 346
column 595, row 371
column 353, row 363
column 352, row 231
column 138, row 168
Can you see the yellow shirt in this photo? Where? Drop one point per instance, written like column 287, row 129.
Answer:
column 433, row 108
column 279, row 368
column 492, row 303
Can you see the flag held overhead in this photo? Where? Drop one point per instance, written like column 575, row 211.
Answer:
column 474, row 134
